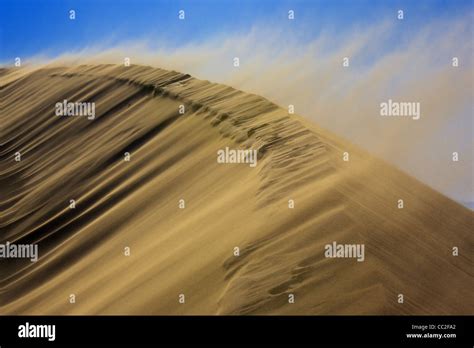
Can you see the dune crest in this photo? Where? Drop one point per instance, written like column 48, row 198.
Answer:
column 182, row 214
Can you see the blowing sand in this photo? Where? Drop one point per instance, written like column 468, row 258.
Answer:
column 174, row 250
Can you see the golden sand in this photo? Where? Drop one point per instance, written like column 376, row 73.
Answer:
column 190, row 250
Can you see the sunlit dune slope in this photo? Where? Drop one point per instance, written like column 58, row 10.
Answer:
column 190, row 251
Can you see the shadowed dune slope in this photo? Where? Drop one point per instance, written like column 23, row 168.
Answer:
column 189, row 251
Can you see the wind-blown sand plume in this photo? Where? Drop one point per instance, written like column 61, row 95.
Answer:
column 190, row 251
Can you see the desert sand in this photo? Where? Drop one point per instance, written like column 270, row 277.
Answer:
column 173, row 250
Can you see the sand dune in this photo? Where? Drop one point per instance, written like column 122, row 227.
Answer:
column 190, row 251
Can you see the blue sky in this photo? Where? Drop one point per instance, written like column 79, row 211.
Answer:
column 30, row 27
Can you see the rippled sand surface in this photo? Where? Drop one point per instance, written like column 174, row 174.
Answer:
column 136, row 204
